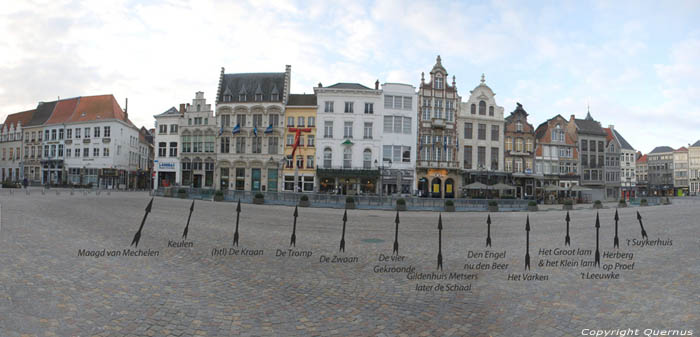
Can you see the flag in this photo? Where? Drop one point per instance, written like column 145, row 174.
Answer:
column 444, row 144
column 221, row 130
column 236, row 129
column 269, row 129
column 255, row 131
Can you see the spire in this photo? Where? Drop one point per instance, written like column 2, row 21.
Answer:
column 588, row 114
column 438, row 60
column 483, row 78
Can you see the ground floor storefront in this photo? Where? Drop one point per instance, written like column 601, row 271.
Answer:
column 628, row 192
column 257, row 179
column 300, row 182
column 438, row 183
column 166, row 178
column 52, row 172
column 348, row 181
column 11, row 174
column 397, row 181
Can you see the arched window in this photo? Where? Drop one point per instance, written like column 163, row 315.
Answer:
column 367, row 159
column 482, row 108
column 347, row 157
column 327, row 157
column 491, row 111
column 473, row 109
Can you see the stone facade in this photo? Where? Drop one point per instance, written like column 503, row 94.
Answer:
column 642, row 174
column 694, row 168
column 628, row 169
column 519, row 152
column 660, row 162
column 13, row 136
column 556, row 159
column 613, row 153
column 398, row 137
column 591, row 140
column 680, row 171
column 198, row 155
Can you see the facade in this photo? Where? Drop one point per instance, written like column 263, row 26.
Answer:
column 299, row 170
column 33, row 166
column 247, row 105
column 55, row 141
column 642, row 174
column 628, row 167
column 348, row 149
column 398, row 138
column 481, row 131
column 660, row 166
column 519, row 152
column 13, row 135
column 438, row 170
column 680, row 171
column 694, row 168
column 591, row 141
column 166, row 145
column 613, row 153
column 556, row 159
column 145, row 160
column 197, row 138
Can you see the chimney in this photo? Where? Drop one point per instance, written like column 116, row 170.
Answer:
column 320, row 85
column 182, row 108
column 126, row 105
column 611, row 127
column 376, row 85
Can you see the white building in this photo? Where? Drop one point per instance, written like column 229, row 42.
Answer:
column 166, row 144
column 480, row 128
column 628, row 166
column 398, row 137
column 198, row 138
column 348, row 139
column 694, row 168
column 11, row 162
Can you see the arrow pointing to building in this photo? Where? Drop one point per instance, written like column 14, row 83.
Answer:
column 294, row 229
column 137, row 236
column 187, row 227
column 439, row 257
column 597, row 230
column 396, row 235
column 238, row 215
column 488, row 231
column 644, row 233
column 342, row 238
column 567, row 239
column 527, row 243
column 616, row 242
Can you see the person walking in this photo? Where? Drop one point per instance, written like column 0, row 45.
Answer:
column 25, row 182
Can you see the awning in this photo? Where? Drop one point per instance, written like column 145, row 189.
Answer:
column 501, row 187
column 577, row 188
column 476, row 186
column 553, row 188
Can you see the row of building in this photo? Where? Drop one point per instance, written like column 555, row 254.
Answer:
column 346, row 138
column 85, row 140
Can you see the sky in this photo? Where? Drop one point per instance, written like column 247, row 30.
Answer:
column 636, row 64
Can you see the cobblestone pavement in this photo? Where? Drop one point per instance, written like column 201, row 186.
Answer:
column 46, row 289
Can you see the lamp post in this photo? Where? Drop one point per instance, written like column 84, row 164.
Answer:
column 381, row 176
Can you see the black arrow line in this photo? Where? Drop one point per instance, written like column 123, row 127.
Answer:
column 238, row 215
column 396, row 235
column 597, row 230
column 342, row 238
column 644, row 233
column 567, row 239
column 439, row 257
column 488, row 231
column 527, row 243
column 294, row 229
column 187, row 227
column 137, row 236
column 616, row 242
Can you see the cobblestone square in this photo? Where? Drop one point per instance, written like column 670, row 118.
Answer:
column 261, row 287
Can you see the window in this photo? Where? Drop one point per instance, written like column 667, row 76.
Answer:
column 240, row 144
column 327, row 157
column 275, row 97
column 242, row 97
column 173, row 129
column 53, row 134
column 328, row 129
column 290, row 121
column 438, row 82
column 407, row 103
column 473, row 109
column 311, row 121
column 468, row 130
column 96, row 132
column 258, row 98
column 60, row 134
column 328, row 106
column 368, row 131
column 494, row 132
column 601, row 148
column 491, row 110
column 518, row 145
column 300, row 161
column 86, row 152
column 240, row 120
column 528, row 146
column 69, row 134
column 273, row 145
column 290, row 139
column 162, row 149
column 68, row 152
column 467, row 157
column 300, row 121
column 482, row 108
column 481, row 157
column 225, row 120
column 53, row 151
column 87, row 133
column 584, row 145
column 225, row 144
column 77, row 152
column 347, row 130
column 310, row 140
column 494, row 158
column 105, row 152
column 309, row 161
column 397, row 124
column 347, row 157
column 369, row 108
column 349, row 107
column 189, row 121
column 482, row 132
column 173, row 148
column 592, row 145
column 107, row 131
column 96, row 152
column 257, row 120
column 367, row 159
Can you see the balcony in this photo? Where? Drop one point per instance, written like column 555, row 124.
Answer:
column 438, row 123
column 437, row 164
column 349, row 172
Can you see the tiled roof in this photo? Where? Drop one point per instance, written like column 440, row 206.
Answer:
column 623, row 142
column 170, row 112
column 301, row 100
column 590, row 127
column 252, row 83
column 19, row 117
column 662, row 149
column 355, row 86
column 642, row 159
column 63, row 110
column 681, row 149
column 42, row 114
column 91, row 108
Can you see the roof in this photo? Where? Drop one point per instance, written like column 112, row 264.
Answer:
column 642, row 159
column 170, row 112
column 696, row 144
column 623, row 142
column 91, row 108
column 63, row 110
column 42, row 113
column 681, row 149
column 661, row 149
column 301, row 100
column 18, row 117
column 355, row 86
column 251, row 84
column 590, row 127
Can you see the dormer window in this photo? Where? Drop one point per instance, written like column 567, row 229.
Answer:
column 227, row 98
column 438, row 82
column 275, row 97
column 242, row 97
column 519, row 126
column 258, row 97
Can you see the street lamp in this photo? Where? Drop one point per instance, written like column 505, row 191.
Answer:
column 381, row 177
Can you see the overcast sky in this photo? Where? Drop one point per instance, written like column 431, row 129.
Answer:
column 637, row 64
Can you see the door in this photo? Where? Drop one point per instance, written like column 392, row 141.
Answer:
column 449, row 188
column 436, row 188
column 255, row 179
